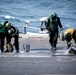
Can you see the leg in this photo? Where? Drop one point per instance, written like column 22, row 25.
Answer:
column 2, row 42
column 51, row 39
column 55, row 39
column 2, row 45
column 16, row 43
column 8, row 40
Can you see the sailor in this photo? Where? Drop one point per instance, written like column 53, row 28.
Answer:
column 70, row 34
column 12, row 32
column 52, row 26
column 2, row 35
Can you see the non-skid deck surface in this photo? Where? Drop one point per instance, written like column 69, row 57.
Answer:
column 37, row 53
column 39, row 47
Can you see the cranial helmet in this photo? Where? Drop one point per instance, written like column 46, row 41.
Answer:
column 53, row 15
column 8, row 25
column 67, row 35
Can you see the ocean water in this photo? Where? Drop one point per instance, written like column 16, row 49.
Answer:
column 19, row 11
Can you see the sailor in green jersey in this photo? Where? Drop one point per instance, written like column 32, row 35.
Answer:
column 52, row 25
column 2, row 36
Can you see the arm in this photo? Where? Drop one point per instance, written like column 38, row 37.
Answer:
column 59, row 23
column 16, row 31
column 48, row 24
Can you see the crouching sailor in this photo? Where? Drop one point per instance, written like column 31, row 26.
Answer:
column 12, row 32
column 70, row 34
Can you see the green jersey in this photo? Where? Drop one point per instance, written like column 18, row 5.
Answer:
column 54, row 24
column 2, row 27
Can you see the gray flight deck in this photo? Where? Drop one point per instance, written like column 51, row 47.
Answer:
column 40, row 60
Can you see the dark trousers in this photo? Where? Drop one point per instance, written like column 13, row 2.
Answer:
column 53, row 36
column 2, row 37
column 16, row 41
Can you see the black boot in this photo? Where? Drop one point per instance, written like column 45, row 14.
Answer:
column 54, row 46
column 51, row 46
column 2, row 50
column 6, row 51
column 17, row 51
